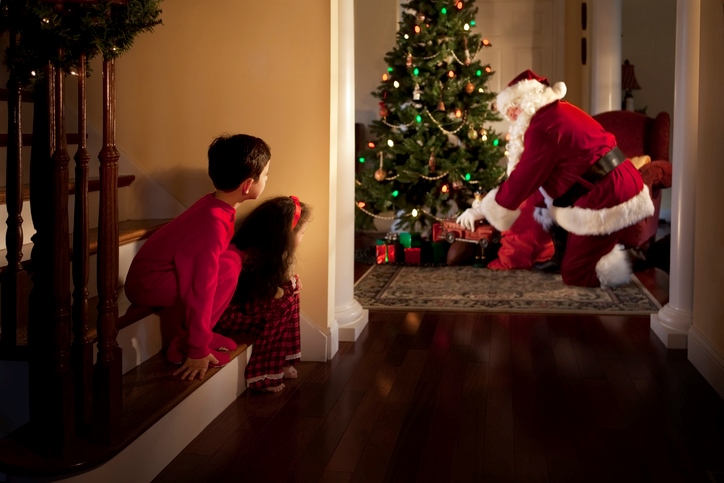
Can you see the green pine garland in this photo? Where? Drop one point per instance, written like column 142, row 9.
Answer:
column 432, row 41
column 101, row 28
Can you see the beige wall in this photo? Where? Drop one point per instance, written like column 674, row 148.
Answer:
column 229, row 66
column 709, row 242
column 375, row 25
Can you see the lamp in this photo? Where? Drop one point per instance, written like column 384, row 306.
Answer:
column 628, row 84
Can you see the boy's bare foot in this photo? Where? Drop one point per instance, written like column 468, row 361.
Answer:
column 274, row 388
column 290, row 372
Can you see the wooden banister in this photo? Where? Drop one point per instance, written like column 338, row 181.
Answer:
column 15, row 286
column 107, row 393
column 82, row 350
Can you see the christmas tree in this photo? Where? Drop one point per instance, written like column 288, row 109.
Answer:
column 433, row 142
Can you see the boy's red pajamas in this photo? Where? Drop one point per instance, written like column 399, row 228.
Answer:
column 189, row 262
column 275, row 324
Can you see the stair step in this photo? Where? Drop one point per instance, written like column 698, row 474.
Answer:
column 94, row 184
column 128, row 231
column 149, row 393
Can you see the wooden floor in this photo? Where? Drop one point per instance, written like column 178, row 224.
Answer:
column 468, row 397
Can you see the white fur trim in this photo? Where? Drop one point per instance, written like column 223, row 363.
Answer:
column 614, row 268
column 500, row 217
column 529, row 92
column 529, row 95
column 543, row 217
column 584, row 221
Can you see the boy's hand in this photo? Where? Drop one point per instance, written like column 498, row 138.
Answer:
column 191, row 367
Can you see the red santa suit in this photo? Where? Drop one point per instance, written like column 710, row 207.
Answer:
column 553, row 147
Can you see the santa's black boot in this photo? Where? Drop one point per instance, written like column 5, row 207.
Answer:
column 553, row 265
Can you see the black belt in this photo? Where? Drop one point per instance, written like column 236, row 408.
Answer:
column 593, row 175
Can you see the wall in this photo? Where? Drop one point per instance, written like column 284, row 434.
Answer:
column 709, row 239
column 649, row 35
column 228, row 66
column 375, row 25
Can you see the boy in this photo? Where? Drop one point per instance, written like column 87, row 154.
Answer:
column 188, row 266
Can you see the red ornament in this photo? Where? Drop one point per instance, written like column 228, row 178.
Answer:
column 383, row 110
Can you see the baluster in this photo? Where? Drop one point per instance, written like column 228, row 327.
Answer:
column 63, row 406
column 15, row 282
column 107, row 372
column 82, row 345
column 40, row 324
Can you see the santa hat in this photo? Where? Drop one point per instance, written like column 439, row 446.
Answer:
column 529, row 91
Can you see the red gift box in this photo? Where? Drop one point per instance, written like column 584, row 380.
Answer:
column 412, row 256
column 385, row 254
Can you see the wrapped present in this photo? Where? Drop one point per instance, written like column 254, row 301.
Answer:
column 405, row 239
column 386, row 253
column 415, row 240
column 439, row 251
column 412, row 256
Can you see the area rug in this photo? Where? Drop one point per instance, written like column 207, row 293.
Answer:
column 467, row 288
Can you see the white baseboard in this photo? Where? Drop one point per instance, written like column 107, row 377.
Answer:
column 706, row 359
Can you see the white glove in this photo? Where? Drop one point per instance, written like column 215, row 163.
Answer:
column 468, row 218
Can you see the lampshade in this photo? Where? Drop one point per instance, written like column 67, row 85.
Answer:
column 628, row 77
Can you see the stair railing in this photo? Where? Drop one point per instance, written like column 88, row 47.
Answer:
column 69, row 396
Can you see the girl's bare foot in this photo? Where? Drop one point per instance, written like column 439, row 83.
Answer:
column 274, row 388
column 290, row 372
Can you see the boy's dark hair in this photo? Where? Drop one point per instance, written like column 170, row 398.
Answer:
column 267, row 239
column 232, row 159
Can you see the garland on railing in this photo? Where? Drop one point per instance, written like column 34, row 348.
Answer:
column 60, row 32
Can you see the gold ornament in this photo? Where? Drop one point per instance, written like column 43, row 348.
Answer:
column 469, row 87
column 473, row 134
column 441, row 106
column 380, row 174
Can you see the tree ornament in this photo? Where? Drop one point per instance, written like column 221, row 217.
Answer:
column 431, row 162
column 416, row 92
column 473, row 134
column 467, row 57
column 441, row 106
column 383, row 110
column 469, row 87
column 380, row 174
column 457, row 184
column 420, row 17
column 408, row 63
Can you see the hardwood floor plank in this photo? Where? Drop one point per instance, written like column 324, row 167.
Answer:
column 498, row 454
column 312, row 462
column 467, row 463
column 407, row 453
column 442, row 438
column 375, row 458
column 352, row 445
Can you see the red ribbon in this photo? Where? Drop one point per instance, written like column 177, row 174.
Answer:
column 297, row 211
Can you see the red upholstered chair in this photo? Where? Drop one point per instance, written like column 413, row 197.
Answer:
column 639, row 135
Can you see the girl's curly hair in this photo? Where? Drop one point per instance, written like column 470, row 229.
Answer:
column 267, row 238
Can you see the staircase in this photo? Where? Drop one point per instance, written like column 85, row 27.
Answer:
column 86, row 392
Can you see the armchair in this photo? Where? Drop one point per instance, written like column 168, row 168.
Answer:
column 639, row 135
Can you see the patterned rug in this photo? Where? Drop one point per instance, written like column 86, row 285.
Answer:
column 466, row 288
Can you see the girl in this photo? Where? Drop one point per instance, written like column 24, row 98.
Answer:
column 266, row 301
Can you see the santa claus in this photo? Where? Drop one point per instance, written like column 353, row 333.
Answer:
column 590, row 189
